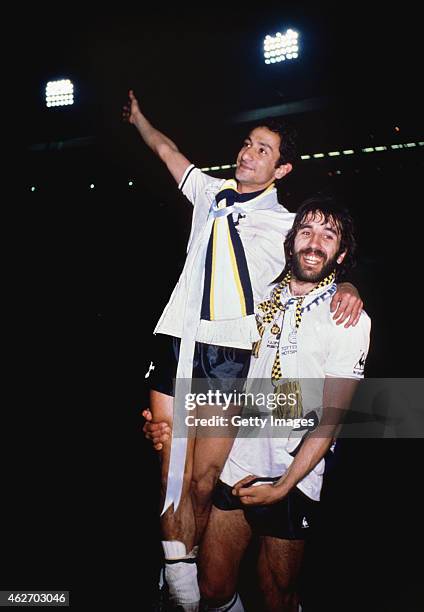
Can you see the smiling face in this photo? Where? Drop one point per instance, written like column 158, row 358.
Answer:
column 257, row 161
column 316, row 248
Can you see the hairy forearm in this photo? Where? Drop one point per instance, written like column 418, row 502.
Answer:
column 309, row 455
column 156, row 140
column 337, row 396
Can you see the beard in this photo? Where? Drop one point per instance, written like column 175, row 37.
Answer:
column 311, row 276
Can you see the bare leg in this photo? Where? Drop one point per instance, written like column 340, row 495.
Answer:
column 209, row 458
column 278, row 568
column 224, row 543
column 181, row 524
column 210, row 453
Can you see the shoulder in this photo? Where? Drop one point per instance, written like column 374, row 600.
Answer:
column 278, row 208
column 276, row 218
column 194, row 178
column 363, row 325
column 319, row 313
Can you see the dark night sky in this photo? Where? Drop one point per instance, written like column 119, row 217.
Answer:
column 194, row 70
column 117, row 253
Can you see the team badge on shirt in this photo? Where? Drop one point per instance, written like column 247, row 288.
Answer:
column 360, row 365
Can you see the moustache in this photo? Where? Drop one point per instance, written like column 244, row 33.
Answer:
column 311, row 251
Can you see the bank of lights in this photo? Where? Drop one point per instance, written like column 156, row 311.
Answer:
column 59, row 93
column 281, row 47
column 366, row 150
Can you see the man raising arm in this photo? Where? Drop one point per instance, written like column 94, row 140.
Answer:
column 208, row 326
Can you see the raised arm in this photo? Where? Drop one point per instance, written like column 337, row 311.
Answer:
column 160, row 144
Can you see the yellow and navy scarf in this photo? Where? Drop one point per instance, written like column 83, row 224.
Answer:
column 227, row 290
column 270, row 311
column 285, row 372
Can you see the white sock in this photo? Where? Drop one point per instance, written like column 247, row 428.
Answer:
column 182, row 584
column 173, row 549
column 234, row 605
column 181, row 576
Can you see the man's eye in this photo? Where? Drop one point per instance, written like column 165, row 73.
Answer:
column 262, row 150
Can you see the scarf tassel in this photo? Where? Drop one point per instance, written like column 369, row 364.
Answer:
column 257, row 345
column 229, row 332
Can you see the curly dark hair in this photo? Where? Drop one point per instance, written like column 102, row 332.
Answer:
column 288, row 140
column 336, row 213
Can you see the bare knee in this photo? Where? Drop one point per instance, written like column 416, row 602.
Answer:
column 202, row 484
column 223, row 546
column 216, row 590
column 279, row 594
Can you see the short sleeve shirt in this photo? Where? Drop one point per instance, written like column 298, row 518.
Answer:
column 262, row 234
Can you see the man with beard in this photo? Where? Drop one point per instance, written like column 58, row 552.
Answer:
column 270, row 486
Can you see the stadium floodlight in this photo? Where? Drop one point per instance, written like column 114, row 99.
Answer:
column 59, row 93
column 281, row 47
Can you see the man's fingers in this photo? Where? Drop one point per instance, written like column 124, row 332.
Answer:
column 248, row 492
column 156, row 434
column 356, row 314
column 247, row 500
column 161, row 435
column 343, row 310
column 147, row 431
column 355, row 320
column 346, row 308
column 335, row 307
column 348, row 311
column 339, row 303
column 243, row 481
column 126, row 112
column 155, row 427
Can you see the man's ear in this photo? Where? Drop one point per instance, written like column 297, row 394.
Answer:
column 341, row 257
column 283, row 170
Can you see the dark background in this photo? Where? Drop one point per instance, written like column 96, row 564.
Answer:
column 91, row 270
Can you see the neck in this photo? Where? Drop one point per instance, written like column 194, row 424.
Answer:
column 243, row 188
column 301, row 287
